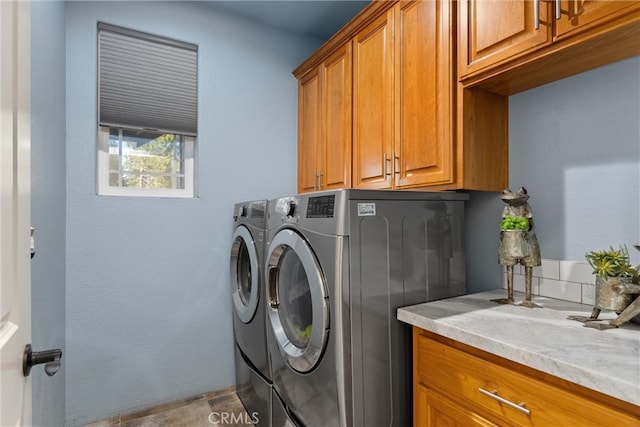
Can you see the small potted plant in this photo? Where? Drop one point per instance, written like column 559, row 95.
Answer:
column 613, row 270
column 514, row 230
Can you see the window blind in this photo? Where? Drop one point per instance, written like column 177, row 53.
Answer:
column 146, row 81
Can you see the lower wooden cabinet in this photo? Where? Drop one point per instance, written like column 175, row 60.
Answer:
column 432, row 409
column 458, row 385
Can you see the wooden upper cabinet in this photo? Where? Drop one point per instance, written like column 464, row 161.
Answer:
column 373, row 97
column 580, row 15
column 501, row 50
column 324, row 124
column 309, row 128
column 381, row 106
column 493, row 31
column 335, row 171
column 387, row 81
column 404, row 98
column 424, row 104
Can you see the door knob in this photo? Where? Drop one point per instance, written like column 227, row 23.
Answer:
column 51, row 359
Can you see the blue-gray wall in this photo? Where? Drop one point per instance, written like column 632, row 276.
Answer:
column 148, row 299
column 575, row 145
column 48, row 196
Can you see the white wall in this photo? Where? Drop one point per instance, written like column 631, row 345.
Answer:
column 575, row 145
column 148, row 299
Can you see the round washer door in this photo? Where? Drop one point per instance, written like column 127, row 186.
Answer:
column 298, row 305
column 244, row 274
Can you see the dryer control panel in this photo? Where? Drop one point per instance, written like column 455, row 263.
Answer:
column 321, row 206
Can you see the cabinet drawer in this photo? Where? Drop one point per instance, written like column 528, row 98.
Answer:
column 462, row 376
column 435, row 410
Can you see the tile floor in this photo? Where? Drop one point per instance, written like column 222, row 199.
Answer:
column 220, row 408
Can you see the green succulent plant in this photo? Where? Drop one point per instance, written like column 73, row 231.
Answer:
column 514, row 223
column 611, row 263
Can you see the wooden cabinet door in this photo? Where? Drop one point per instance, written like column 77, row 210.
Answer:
column 373, row 104
column 309, row 128
column 579, row 15
column 483, row 383
column 434, row 410
column 335, row 171
column 424, row 93
column 493, row 31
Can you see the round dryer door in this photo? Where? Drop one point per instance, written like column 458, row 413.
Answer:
column 298, row 305
column 244, row 274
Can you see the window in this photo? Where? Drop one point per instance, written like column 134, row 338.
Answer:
column 147, row 114
column 145, row 163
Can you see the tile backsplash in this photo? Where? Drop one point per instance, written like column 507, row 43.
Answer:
column 565, row 280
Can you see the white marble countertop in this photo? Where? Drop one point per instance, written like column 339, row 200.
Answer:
column 543, row 338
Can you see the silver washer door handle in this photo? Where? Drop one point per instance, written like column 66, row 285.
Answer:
column 494, row 395
column 274, row 291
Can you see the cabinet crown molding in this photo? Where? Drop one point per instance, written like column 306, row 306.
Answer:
column 346, row 33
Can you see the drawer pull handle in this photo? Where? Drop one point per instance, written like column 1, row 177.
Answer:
column 494, row 395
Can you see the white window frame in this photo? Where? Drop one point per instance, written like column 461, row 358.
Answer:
column 104, row 189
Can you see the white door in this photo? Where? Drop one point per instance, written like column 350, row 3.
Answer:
column 15, row 216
